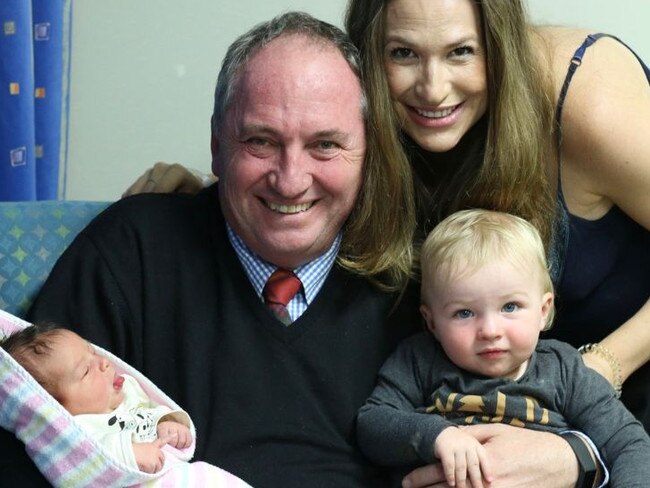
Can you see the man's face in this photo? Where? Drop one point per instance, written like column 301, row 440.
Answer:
column 290, row 153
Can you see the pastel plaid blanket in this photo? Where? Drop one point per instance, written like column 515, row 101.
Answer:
column 63, row 451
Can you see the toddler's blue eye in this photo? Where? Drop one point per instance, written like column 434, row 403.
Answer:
column 464, row 314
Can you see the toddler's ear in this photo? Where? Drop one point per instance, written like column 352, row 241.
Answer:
column 428, row 318
column 547, row 309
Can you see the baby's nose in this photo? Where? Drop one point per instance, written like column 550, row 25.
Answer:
column 104, row 364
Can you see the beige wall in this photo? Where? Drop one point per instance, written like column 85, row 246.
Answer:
column 143, row 72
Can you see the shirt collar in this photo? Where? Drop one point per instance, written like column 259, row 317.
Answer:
column 312, row 274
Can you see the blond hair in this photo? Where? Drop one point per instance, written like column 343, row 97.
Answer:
column 469, row 239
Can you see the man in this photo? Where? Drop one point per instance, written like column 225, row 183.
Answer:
column 173, row 284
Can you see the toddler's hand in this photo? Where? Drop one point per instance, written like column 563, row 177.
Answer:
column 462, row 457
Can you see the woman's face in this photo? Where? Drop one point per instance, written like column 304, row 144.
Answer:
column 434, row 56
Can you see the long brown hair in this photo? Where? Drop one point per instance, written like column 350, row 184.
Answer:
column 507, row 167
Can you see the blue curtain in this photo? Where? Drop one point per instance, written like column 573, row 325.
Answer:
column 34, row 60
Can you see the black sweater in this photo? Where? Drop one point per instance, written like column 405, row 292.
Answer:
column 155, row 280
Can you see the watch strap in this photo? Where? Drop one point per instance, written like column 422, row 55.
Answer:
column 587, row 468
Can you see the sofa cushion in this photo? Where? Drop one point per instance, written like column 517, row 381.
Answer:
column 32, row 237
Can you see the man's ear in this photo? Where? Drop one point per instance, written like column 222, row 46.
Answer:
column 214, row 149
column 428, row 318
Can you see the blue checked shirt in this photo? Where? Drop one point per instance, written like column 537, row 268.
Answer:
column 312, row 275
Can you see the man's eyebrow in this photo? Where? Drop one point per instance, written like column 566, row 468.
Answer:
column 332, row 134
column 261, row 129
column 244, row 129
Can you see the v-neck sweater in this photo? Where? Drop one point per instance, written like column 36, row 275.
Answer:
column 155, row 280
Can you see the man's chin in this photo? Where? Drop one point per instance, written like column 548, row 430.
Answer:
column 289, row 254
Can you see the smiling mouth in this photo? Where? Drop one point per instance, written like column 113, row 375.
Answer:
column 289, row 209
column 435, row 114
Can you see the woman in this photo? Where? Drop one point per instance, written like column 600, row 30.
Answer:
column 474, row 89
column 472, row 97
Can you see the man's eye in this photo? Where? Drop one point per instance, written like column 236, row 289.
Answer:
column 259, row 147
column 327, row 145
column 510, row 307
column 324, row 150
column 256, row 141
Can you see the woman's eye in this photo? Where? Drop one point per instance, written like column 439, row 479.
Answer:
column 401, row 53
column 463, row 51
column 510, row 307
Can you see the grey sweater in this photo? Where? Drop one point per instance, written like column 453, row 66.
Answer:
column 420, row 392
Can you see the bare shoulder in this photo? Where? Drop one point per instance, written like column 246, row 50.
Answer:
column 606, row 65
column 605, row 122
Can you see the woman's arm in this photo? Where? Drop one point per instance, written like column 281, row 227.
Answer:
column 605, row 162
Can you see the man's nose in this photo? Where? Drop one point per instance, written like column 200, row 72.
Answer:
column 292, row 177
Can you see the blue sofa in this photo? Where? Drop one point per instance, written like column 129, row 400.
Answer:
column 32, row 237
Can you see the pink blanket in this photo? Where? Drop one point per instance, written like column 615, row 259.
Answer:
column 66, row 455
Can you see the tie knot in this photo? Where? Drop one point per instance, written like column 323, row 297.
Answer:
column 281, row 287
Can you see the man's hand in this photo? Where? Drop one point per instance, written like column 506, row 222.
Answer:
column 176, row 434
column 518, row 458
column 167, row 178
column 149, row 455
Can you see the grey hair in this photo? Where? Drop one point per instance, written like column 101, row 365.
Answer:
column 262, row 34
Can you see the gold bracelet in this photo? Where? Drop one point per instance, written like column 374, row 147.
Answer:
column 612, row 360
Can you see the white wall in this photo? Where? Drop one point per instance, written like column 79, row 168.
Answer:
column 626, row 19
column 143, row 73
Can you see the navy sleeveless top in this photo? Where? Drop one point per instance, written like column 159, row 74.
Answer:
column 602, row 272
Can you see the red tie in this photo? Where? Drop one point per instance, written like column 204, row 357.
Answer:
column 280, row 288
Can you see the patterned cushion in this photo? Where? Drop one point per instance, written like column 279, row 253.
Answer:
column 32, row 237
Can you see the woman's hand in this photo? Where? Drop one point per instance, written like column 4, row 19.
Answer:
column 169, row 178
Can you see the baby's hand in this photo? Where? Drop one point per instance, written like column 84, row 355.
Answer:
column 149, row 455
column 462, row 456
column 174, row 434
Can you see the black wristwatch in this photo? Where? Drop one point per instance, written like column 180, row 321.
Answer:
column 587, row 469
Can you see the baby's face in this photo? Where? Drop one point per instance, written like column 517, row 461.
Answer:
column 83, row 381
column 488, row 320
